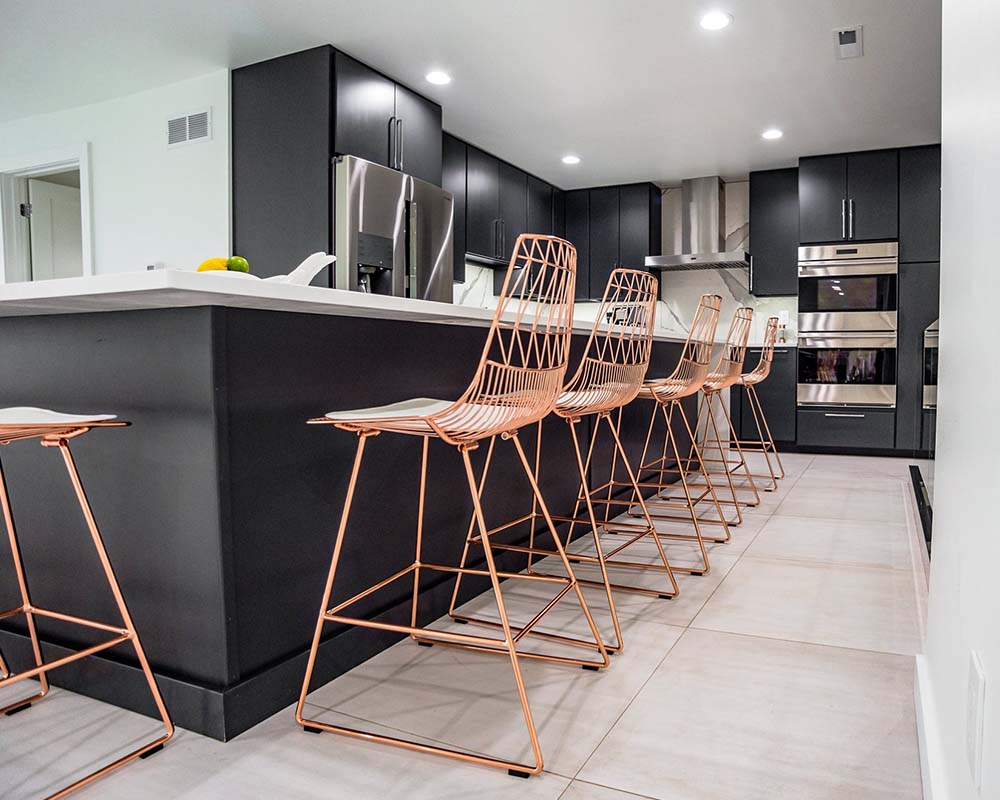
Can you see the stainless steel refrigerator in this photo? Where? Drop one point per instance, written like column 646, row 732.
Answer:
column 394, row 232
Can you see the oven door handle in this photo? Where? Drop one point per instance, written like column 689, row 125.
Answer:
column 860, row 268
column 851, row 416
column 834, row 341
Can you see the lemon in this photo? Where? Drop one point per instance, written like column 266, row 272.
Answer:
column 210, row 264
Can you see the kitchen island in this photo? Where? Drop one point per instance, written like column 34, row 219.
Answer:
column 219, row 504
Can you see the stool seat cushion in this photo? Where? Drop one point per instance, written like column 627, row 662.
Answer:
column 405, row 409
column 27, row 415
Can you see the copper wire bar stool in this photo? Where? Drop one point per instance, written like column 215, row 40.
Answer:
column 53, row 429
column 667, row 393
column 728, row 372
column 517, row 382
column 609, row 377
column 764, row 443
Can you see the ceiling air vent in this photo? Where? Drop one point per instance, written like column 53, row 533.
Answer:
column 849, row 42
column 195, row 127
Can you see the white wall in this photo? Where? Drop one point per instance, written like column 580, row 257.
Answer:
column 150, row 204
column 964, row 605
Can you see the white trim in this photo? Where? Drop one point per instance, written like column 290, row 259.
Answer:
column 46, row 163
column 932, row 771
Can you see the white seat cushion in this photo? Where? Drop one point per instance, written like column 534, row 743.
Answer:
column 417, row 407
column 26, row 415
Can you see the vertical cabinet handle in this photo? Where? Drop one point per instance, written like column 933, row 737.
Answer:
column 843, row 218
column 392, row 142
column 850, row 217
column 750, row 287
column 496, row 238
column 399, row 147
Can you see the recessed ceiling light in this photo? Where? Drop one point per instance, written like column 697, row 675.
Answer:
column 716, row 20
column 438, row 77
column 772, row 133
column 571, row 159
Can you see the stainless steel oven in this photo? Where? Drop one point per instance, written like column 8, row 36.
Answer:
column 847, row 325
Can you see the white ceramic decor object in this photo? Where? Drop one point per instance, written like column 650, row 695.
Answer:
column 303, row 274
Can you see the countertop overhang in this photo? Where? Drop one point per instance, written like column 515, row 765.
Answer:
column 132, row 291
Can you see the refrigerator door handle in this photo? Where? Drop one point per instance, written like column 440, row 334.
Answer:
column 411, row 270
column 399, row 146
column 392, row 141
column 850, row 224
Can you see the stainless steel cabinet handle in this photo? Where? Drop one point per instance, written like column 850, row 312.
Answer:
column 503, row 238
column 852, row 416
column 751, row 275
column 843, row 218
column 392, row 142
column 399, row 149
column 850, row 220
column 496, row 238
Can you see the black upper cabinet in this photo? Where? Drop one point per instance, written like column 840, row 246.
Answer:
column 822, row 199
column 849, row 197
column 453, row 180
column 578, row 234
column 774, row 232
column 920, row 204
column 605, row 236
column 559, row 213
column 419, row 142
column 639, row 224
column 281, row 118
column 365, row 111
column 540, row 213
column 513, row 207
column 482, row 236
column 873, row 195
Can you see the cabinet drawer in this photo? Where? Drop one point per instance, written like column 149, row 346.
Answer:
column 847, row 427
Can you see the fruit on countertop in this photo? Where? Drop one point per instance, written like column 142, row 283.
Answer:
column 211, row 264
column 238, row 264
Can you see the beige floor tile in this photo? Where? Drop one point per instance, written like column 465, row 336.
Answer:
column 580, row 790
column 739, row 718
column 847, row 606
column 835, row 541
column 843, row 502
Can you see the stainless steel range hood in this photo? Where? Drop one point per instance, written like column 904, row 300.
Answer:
column 703, row 230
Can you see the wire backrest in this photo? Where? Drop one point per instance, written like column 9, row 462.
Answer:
column 763, row 368
column 617, row 354
column 729, row 366
column 523, row 365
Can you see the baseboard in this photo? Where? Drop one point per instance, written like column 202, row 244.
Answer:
column 928, row 735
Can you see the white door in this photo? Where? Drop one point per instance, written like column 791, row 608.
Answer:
column 56, row 237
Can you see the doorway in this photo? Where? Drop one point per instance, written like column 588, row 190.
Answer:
column 44, row 218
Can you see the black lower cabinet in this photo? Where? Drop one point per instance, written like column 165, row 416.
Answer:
column 777, row 397
column 919, row 290
column 847, row 428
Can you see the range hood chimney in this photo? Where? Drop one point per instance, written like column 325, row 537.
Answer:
column 703, row 230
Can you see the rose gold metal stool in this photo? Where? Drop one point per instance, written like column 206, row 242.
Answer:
column 764, row 443
column 728, row 372
column 609, row 377
column 687, row 380
column 53, row 429
column 518, row 381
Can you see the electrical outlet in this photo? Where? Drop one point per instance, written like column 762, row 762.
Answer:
column 975, row 709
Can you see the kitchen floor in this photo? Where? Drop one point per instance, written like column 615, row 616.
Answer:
column 786, row 672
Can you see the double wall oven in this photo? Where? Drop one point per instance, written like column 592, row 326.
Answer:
column 847, row 325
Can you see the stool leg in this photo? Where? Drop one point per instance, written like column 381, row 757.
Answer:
column 605, row 660
column 761, row 440
column 22, row 585
column 112, row 580
column 742, row 457
column 470, row 534
column 335, row 559
column 710, row 406
column 704, row 471
column 420, row 534
column 755, row 401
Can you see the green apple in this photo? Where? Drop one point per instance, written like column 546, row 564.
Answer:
column 238, row 264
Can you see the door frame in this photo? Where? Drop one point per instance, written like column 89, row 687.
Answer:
column 48, row 162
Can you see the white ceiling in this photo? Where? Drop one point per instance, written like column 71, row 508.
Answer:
column 635, row 87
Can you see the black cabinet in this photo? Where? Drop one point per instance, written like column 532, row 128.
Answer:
column 640, row 224
column 604, row 238
column 777, row 397
column 290, row 117
column 774, row 232
column 453, row 180
column 513, row 207
column 920, row 204
column 846, row 428
column 848, row 197
column 919, row 290
column 558, row 213
column 418, row 146
column 540, row 213
column 578, row 234
column 482, row 225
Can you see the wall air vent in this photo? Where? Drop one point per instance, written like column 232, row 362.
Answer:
column 196, row 127
column 849, row 42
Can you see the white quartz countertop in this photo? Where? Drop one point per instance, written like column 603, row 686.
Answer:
column 130, row 291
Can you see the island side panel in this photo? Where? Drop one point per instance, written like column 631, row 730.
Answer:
column 154, row 491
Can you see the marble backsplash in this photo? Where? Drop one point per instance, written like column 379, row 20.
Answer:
column 679, row 291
